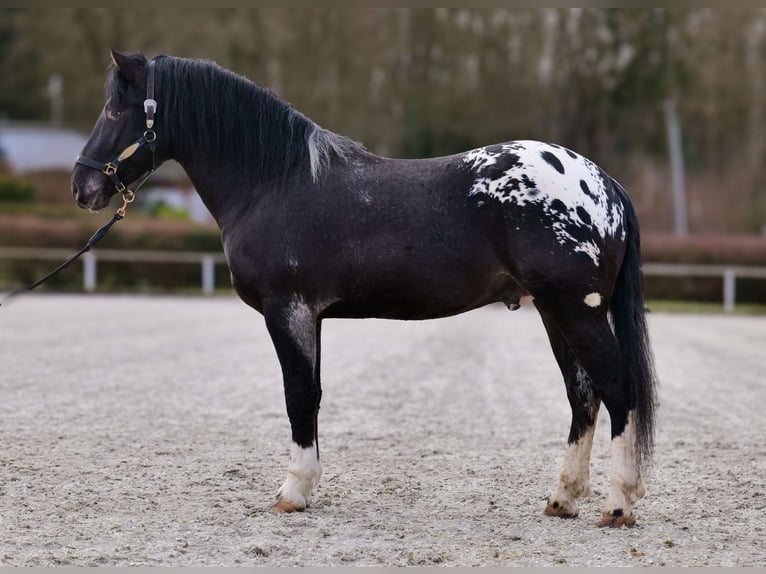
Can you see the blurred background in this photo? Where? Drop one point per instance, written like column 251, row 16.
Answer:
column 671, row 102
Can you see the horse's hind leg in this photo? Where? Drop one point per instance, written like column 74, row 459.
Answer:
column 574, row 480
column 294, row 330
column 590, row 337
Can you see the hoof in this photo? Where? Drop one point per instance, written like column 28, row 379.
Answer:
column 284, row 507
column 617, row 519
column 558, row 510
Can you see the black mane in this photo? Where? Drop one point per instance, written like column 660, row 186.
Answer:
column 204, row 106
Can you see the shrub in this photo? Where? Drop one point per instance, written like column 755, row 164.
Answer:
column 16, row 190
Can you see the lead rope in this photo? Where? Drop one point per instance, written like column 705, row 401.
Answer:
column 127, row 197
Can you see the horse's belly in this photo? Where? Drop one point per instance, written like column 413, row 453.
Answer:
column 426, row 297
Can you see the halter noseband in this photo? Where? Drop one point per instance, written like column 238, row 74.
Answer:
column 149, row 137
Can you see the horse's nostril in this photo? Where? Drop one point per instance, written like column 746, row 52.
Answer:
column 76, row 192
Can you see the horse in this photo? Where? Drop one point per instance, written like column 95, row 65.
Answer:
column 314, row 226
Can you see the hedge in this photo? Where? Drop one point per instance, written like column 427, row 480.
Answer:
column 16, row 190
column 711, row 248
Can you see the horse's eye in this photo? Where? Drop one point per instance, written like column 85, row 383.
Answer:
column 113, row 114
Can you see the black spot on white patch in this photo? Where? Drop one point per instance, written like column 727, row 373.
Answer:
column 503, row 162
column 583, row 215
column 528, row 182
column 586, row 189
column 571, row 154
column 553, row 160
column 579, row 233
column 558, row 205
column 506, row 161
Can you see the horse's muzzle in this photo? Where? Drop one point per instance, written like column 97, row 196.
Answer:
column 89, row 194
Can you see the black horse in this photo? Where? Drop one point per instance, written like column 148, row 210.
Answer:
column 315, row 226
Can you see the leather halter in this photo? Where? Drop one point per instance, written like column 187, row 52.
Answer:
column 149, row 137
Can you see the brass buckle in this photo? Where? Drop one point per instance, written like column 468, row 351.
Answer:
column 109, row 169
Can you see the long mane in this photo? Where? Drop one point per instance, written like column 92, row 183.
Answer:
column 211, row 110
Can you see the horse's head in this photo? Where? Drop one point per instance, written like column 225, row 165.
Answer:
column 121, row 149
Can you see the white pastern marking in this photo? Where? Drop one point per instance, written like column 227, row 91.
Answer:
column 302, row 326
column 626, row 486
column 550, row 184
column 303, row 476
column 593, row 299
column 574, row 481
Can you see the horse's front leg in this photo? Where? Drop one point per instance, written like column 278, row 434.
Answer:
column 294, row 331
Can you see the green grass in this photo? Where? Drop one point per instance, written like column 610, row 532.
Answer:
column 668, row 306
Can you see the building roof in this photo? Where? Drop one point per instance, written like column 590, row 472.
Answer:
column 34, row 148
column 37, row 148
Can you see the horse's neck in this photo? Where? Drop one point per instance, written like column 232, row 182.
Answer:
column 227, row 180
column 220, row 189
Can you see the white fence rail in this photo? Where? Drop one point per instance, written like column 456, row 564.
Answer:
column 728, row 273
column 208, row 261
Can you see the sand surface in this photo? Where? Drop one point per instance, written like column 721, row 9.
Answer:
column 152, row 431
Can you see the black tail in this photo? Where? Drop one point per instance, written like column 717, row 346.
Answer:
column 629, row 319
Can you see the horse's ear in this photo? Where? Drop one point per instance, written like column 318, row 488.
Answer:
column 130, row 66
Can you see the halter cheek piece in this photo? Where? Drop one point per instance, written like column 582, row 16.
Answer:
column 149, row 137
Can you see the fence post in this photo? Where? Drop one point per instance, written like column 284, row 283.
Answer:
column 89, row 271
column 680, row 216
column 208, row 275
column 729, row 290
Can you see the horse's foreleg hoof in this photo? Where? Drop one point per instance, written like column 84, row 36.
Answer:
column 561, row 510
column 285, row 507
column 617, row 519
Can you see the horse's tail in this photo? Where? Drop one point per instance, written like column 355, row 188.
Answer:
column 629, row 320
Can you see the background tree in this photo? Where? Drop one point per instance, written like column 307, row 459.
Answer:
column 423, row 82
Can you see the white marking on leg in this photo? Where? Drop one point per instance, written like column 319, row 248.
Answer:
column 574, row 481
column 303, row 476
column 626, row 485
column 593, row 299
column 302, row 325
